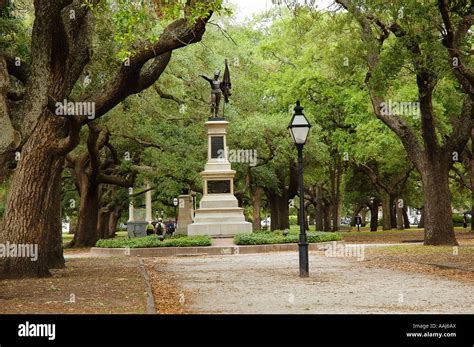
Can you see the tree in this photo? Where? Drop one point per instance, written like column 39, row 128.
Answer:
column 61, row 46
column 431, row 150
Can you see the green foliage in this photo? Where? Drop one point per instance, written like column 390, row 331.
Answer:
column 263, row 238
column 458, row 219
column 153, row 241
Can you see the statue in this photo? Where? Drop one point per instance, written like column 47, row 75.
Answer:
column 218, row 87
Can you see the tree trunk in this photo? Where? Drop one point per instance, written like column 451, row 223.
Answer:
column 311, row 216
column 306, row 224
column 326, row 218
column 406, row 221
column 363, row 214
column 319, row 211
column 386, row 211
column 103, row 223
column 357, row 208
column 113, row 221
column 374, row 215
column 86, row 232
column 32, row 205
column 421, row 223
column 256, row 206
column 55, row 235
column 393, row 212
column 439, row 228
column 471, row 177
column 279, row 210
column 399, row 217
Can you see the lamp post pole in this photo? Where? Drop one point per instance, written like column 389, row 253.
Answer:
column 299, row 129
column 303, row 244
column 175, row 203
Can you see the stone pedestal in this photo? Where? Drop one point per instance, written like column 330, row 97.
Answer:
column 185, row 214
column 219, row 213
column 136, row 226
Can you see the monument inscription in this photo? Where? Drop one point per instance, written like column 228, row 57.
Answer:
column 217, row 146
column 218, row 187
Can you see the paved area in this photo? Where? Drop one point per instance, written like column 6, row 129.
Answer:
column 269, row 283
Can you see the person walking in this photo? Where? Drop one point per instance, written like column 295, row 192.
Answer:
column 149, row 229
column 358, row 221
column 170, row 227
column 160, row 228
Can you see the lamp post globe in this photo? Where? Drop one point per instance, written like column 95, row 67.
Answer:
column 299, row 126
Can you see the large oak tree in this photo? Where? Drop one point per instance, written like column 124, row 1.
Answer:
column 61, row 48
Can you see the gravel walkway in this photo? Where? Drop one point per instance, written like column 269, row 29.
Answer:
column 269, row 283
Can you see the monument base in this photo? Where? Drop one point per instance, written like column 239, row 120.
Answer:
column 136, row 228
column 219, row 215
column 219, row 229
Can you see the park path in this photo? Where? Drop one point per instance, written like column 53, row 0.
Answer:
column 269, row 283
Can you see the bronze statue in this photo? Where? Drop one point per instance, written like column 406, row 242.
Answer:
column 218, row 87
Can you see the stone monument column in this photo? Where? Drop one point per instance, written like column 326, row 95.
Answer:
column 135, row 228
column 185, row 213
column 219, row 213
column 131, row 209
column 149, row 215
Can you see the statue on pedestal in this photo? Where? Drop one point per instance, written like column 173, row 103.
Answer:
column 218, row 87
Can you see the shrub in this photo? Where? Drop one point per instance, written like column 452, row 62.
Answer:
column 293, row 220
column 458, row 220
column 264, row 238
column 153, row 241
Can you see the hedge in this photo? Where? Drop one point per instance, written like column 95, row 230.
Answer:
column 264, row 238
column 153, row 241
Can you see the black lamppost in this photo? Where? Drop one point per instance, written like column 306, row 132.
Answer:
column 299, row 130
column 175, row 203
column 193, row 195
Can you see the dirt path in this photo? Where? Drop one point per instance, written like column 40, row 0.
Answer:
column 87, row 285
column 269, row 283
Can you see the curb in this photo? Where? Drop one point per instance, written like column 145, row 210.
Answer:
column 150, row 303
column 204, row 251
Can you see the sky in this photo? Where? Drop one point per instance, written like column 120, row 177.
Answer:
column 247, row 8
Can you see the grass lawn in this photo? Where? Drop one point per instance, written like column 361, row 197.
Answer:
column 68, row 237
column 400, row 236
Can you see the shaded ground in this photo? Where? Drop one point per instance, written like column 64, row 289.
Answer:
column 398, row 236
column 455, row 263
column 98, row 285
column 269, row 283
